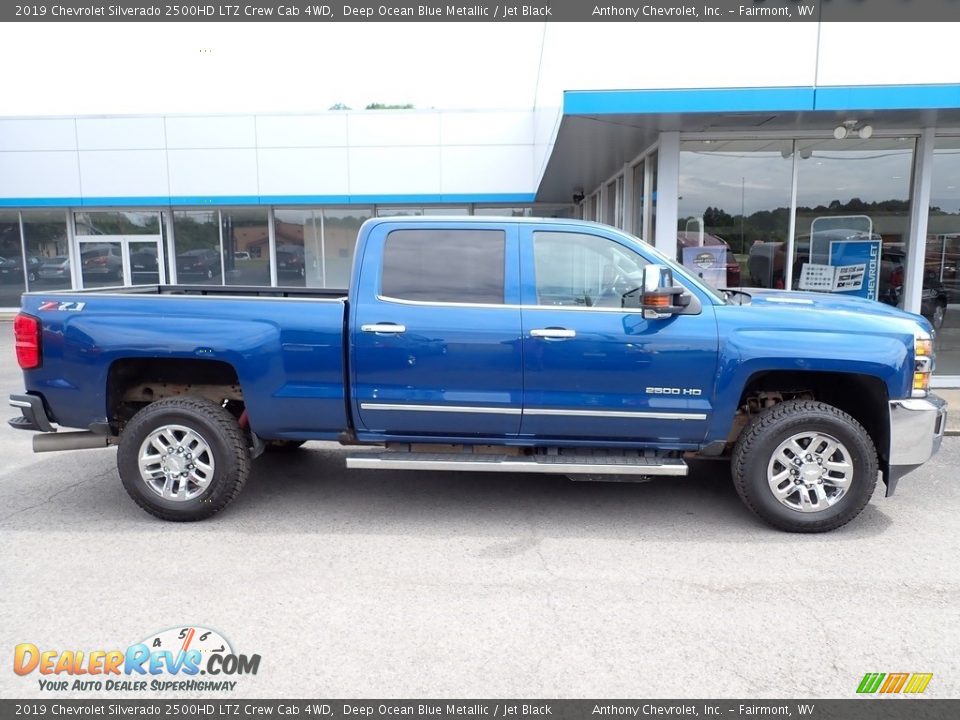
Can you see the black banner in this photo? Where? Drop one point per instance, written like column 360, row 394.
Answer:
column 852, row 709
column 487, row 11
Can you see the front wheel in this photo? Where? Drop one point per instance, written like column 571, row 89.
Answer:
column 183, row 458
column 805, row 466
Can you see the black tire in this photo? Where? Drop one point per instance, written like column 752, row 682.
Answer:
column 760, row 440
column 227, row 446
column 284, row 446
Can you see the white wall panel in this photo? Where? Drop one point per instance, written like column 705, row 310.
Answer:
column 888, row 53
column 658, row 55
column 124, row 173
column 38, row 134
column 478, row 169
column 386, row 128
column 486, row 128
column 394, row 170
column 39, row 174
column 211, row 132
column 328, row 130
column 213, row 172
column 120, row 133
column 304, row 171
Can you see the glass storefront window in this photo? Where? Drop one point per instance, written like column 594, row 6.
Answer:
column 638, row 199
column 196, row 239
column 45, row 237
column 298, row 247
column 940, row 299
column 246, row 246
column 734, row 210
column 11, row 259
column 853, row 201
column 117, row 223
column 504, row 211
column 340, row 228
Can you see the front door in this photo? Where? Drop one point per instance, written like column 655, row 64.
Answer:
column 110, row 260
column 595, row 370
column 436, row 332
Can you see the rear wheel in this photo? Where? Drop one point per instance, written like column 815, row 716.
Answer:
column 183, row 458
column 805, row 466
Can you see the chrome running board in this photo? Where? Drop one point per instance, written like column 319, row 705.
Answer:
column 483, row 462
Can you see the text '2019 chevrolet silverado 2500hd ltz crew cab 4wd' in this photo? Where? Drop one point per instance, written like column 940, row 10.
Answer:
column 496, row 345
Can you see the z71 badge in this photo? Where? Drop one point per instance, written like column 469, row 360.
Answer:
column 62, row 306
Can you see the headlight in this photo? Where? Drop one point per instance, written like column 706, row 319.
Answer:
column 923, row 363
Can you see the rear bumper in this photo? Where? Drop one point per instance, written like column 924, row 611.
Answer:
column 916, row 432
column 33, row 414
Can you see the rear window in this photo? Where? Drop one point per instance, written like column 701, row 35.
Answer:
column 434, row 265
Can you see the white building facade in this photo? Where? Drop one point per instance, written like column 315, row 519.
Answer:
column 746, row 139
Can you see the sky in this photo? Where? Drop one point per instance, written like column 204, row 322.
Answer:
column 169, row 68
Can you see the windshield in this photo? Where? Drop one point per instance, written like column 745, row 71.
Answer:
column 678, row 270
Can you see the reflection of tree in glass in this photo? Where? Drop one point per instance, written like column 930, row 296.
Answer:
column 193, row 233
column 118, row 223
column 771, row 225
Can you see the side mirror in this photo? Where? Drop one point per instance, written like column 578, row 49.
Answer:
column 657, row 296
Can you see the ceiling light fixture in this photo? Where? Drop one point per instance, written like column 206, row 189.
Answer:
column 864, row 131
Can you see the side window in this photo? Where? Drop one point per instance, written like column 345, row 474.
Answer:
column 458, row 266
column 583, row 270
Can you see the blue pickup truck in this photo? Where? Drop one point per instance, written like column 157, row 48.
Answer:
column 493, row 345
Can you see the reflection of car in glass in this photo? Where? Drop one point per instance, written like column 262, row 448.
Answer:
column 11, row 268
column 687, row 239
column 766, row 263
column 102, row 261
column 290, row 261
column 202, row 263
column 55, row 268
column 241, row 255
column 144, row 265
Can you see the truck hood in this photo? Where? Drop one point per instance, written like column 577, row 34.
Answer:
column 830, row 302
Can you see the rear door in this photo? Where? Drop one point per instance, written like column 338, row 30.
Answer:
column 436, row 331
column 594, row 370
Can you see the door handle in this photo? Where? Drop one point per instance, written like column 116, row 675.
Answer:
column 553, row 333
column 392, row 328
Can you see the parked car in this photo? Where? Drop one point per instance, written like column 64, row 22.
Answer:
column 144, row 265
column 104, row 261
column 11, row 268
column 444, row 354
column 291, row 261
column 203, row 263
column 241, row 255
column 55, row 268
column 688, row 239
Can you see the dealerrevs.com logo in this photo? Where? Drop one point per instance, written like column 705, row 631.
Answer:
column 179, row 659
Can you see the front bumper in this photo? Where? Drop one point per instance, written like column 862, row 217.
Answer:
column 916, row 432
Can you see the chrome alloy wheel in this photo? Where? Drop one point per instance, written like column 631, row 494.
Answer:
column 176, row 462
column 810, row 472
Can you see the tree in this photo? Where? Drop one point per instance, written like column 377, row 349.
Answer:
column 387, row 106
column 340, row 106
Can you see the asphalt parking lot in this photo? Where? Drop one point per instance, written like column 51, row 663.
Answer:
column 365, row 584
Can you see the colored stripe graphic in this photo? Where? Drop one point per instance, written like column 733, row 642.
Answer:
column 918, row 683
column 870, row 682
column 907, row 683
column 895, row 681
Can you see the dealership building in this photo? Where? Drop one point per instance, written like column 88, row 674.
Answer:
column 783, row 143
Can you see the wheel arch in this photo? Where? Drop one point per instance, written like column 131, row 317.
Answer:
column 863, row 397
column 135, row 382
